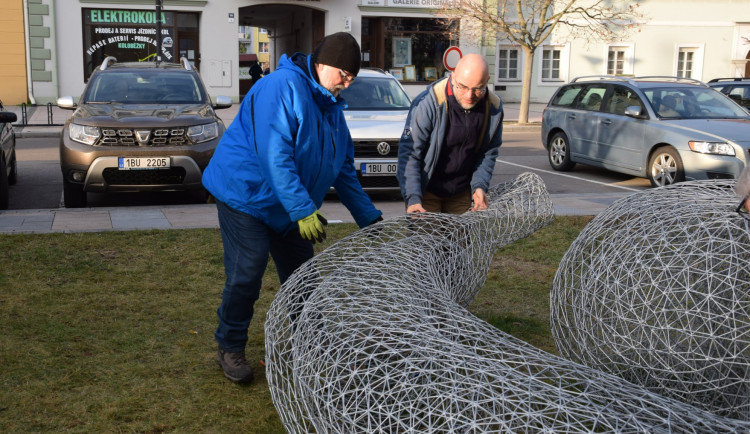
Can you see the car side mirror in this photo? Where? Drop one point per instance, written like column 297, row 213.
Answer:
column 634, row 111
column 8, row 117
column 66, row 102
column 222, row 102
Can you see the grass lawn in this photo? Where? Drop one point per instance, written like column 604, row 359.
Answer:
column 113, row 331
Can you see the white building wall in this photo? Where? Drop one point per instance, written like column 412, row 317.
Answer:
column 719, row 29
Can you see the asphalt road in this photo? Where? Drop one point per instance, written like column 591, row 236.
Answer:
column 40, row 186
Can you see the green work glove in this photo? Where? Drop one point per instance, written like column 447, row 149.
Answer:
column 311, row 227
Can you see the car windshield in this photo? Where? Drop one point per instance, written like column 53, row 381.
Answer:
column 144, row 87
column 373, row 93
column 692, row 103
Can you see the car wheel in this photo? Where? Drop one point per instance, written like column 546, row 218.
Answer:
column 4, row 191
column 665, row 167
column 13, row 177
column 73, row 195
column 559, row 153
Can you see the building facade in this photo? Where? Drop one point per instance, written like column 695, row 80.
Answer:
column 53, row 45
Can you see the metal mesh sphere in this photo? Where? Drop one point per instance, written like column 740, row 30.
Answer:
column 656, row 289
column 372, row 335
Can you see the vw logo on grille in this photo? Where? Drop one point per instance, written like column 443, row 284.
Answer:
column 384, row 148
column 143, row 136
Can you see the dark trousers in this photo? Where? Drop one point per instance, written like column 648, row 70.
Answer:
column 247, row 242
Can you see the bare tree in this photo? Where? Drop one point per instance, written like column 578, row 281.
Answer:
column 529, row 23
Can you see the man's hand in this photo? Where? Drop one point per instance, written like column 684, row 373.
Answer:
column 480, row 200
column 417, row 207
column 311, row 227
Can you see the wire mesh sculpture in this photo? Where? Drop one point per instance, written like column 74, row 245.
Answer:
column 372, row 335
column 656, row 290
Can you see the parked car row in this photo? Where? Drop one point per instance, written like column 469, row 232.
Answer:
column 667, row 129
column 153, row 127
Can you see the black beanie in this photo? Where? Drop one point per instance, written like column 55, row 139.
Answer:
column 339, row 50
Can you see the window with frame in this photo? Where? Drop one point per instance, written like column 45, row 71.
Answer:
column 685, row 60
column 616, row 60
column 508, row 62
column 619, row 59
column 551, row 64
column 262, row 47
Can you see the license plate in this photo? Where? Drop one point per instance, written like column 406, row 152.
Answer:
column 149, row 163
column 373, row 169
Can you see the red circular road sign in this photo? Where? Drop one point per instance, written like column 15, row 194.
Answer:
column 451, row 57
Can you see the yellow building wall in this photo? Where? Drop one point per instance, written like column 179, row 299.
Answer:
column 261, row 37
column 12, row 54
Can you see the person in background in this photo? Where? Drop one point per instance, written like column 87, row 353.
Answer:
column 742, row 189
column 256, row 72
column 450, row 142
column 269, row 175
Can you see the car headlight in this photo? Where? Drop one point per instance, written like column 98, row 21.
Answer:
column 719, row 148
column 201, row 133
column 85, row 134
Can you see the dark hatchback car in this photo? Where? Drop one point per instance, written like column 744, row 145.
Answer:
column 666, row 129
column 736, row 88
column 8, row 165
column 139, row 126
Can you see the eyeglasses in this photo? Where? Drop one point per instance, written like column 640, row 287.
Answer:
column 478, row 91
column 346, row 77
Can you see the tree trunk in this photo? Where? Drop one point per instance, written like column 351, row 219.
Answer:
column 528, row 68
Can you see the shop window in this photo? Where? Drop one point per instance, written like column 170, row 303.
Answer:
column 410, row 47
column 130, row 36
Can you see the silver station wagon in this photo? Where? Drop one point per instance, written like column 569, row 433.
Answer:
column 667, row 129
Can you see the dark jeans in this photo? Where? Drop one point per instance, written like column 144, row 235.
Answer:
column 247, row 243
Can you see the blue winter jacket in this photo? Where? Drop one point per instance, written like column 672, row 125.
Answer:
column 284, row 150
column 424, row 137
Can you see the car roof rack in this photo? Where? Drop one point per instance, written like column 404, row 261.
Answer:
column 186, row 63
column 603, row 77
column 671, row 78
column 107, row 61
column 714, row 80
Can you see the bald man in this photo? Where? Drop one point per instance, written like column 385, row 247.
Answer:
column 451, row 139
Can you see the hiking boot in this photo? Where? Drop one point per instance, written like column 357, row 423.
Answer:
column 235, row 366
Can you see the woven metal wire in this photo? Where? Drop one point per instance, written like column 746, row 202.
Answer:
column 372, row 335
column 656, row 289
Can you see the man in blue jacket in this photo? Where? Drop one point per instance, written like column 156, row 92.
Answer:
column 269, row 175
column 452, row 136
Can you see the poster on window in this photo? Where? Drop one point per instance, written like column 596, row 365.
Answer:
column 401, row 52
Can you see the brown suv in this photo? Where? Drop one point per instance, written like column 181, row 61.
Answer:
column 138, row 126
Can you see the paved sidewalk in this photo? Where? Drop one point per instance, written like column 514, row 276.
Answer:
column 204, row 216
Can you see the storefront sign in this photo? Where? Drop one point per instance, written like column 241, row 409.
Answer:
column 128, row 35
column 432, row 4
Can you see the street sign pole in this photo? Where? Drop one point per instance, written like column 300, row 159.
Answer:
column 158, row 31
